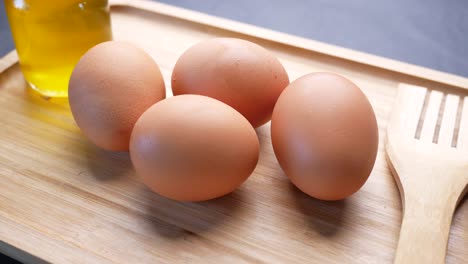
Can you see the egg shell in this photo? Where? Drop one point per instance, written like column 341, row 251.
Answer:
column 237, row 72
column 193, row 148
column 109, row 89
column 324, row 135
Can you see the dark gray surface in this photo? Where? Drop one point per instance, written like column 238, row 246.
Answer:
column 430, row 33
column 6, row 44
column 6, row 260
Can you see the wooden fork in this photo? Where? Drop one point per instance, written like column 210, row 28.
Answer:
column 427, row 146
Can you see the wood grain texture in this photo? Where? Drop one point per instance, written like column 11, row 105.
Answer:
column 7, row 61
column 430, row 172
column 65, row 201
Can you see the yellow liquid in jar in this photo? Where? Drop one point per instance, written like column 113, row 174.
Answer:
column 51, row 36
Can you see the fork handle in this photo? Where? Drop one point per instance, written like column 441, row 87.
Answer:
column 425, row 229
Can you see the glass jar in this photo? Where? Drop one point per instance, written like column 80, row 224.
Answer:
column 51, row 36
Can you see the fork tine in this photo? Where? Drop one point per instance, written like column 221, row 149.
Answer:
column 448, row 122
column 409, row 104
column 463, row 131
column 431, row 116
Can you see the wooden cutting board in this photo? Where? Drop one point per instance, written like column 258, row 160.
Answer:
column 63, row 200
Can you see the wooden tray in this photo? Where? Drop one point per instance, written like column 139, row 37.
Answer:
column 63, row 200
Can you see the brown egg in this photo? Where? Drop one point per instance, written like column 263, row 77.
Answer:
column 110, row 87
column 237, row 72
column 193, row 148
column 324, row 134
